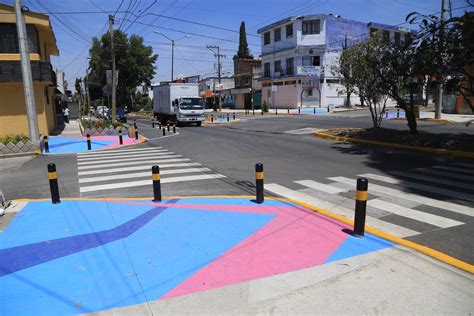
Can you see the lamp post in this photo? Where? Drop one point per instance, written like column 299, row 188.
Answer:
column 172, row 49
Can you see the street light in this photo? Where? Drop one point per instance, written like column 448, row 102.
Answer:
column 172, row 48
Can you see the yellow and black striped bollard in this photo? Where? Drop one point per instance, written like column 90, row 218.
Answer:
column 89, row 145
column 360, row 206
column 155, row 175
column 259, row 176
column 46, row 144
column 53, row 183
column 120, row 137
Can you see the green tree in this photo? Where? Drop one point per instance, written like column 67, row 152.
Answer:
column 134, row 62
column 243, row 51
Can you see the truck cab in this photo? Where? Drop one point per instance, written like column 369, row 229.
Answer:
column 189, row 109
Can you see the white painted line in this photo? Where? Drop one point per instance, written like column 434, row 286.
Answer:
column 428, row 218
column 147, row 154
column 461, row 209
column 446, row 174
column 132, row 163
column 380, row 178
column 146, row 166
column 141, row 174
column 339, row 210
column 424, row 187
column 120, row 160
column 140, row 183
column 432, row 179
column 461, row 170
column 122, row 154
column 117, row 151
column 320, row 186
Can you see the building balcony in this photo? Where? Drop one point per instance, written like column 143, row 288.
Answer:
column 10, row 71
column 308, row 70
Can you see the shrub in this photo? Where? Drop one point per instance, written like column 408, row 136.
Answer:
column 13, row 139
column 265, row 106
column 101, row 123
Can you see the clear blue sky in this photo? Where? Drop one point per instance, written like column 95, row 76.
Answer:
column 73, row 31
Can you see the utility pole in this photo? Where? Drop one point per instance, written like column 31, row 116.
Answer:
column 114, row 80
column 218, row 55
column 172, row 59
column 439, row 100
column 26, row 71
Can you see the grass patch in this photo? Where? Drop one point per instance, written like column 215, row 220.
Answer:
column 461, row 141
column 13, row 139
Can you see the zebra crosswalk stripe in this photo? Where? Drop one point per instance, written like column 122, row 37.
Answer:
column 452, row 207
column 320, row 186
column 146, row 166
column 110, row 151
column 131, row 163
column 446, row 174
column 114, row 156
column 133, row 158
column 339, row 210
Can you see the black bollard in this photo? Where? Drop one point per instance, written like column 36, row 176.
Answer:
column 253, row 111
column 46, row 144
column 228, row 119
column 212, row 118
column 134, row 124
column 89, row 145
column 174, row 128
column 288, row 110
column 314, row 110
column 164, row 131
column 328, row 109
column 360, row 206
column 136, row 133
column 259, row 183
column 398, row 113
column 233, row 116
column 120, row 137
column 53, row 183
column 262, row 112
column 155, row 175
column 276, row 111
column 299, row 110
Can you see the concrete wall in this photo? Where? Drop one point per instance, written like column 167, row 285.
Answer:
column 13, row 118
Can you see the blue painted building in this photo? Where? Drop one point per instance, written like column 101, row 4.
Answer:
column 299, row 55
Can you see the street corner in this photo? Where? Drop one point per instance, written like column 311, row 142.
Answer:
column 83, row 256
column 68, row 145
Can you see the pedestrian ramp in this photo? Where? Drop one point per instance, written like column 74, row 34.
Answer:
column 112, row 170
column 402, row 203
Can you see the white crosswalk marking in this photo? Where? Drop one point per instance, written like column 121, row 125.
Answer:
column 320, row 186
column 414, row 214
column 446, row 174
column 427, row 188
column 461, row 209
column 393, row 210
column 339, row 210
column 120, row 169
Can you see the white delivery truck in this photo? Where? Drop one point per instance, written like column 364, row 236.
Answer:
column 179, row 103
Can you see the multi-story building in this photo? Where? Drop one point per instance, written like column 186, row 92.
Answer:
column 248, row 89
column 41, row 45
column 210, row 89
column 300, row 54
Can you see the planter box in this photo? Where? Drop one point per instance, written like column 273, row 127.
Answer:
column 19, row 149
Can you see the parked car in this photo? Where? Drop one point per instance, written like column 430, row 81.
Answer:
column 120, row 115
column 417, row 100
column 102, row 111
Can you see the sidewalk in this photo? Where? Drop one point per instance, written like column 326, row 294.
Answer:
column 210, row 255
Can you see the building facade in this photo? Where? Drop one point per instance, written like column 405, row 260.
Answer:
column 300, row 55
column 248, row 89
column 210, row 89
column 41, row 45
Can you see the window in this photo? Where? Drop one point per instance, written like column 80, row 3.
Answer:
column 9, row 38
column 277, row 66
column 309, row 92
column 266, row 84
column 289, row 66
column 373, row 32
column 289, row 30
column 407, row 38
column 266, row 38
column 397, row 38
column 266, row 70
column 311, row 27
column 386, row 36
column 311, row 61
column 277, row 34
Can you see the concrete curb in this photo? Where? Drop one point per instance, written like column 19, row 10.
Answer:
column 207, row 123
column 440, row 151
column 426, row 119
column 400, row 241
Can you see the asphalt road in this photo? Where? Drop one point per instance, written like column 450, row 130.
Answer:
column 289, row 152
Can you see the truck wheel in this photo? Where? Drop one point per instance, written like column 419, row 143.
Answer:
column 199, row 123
